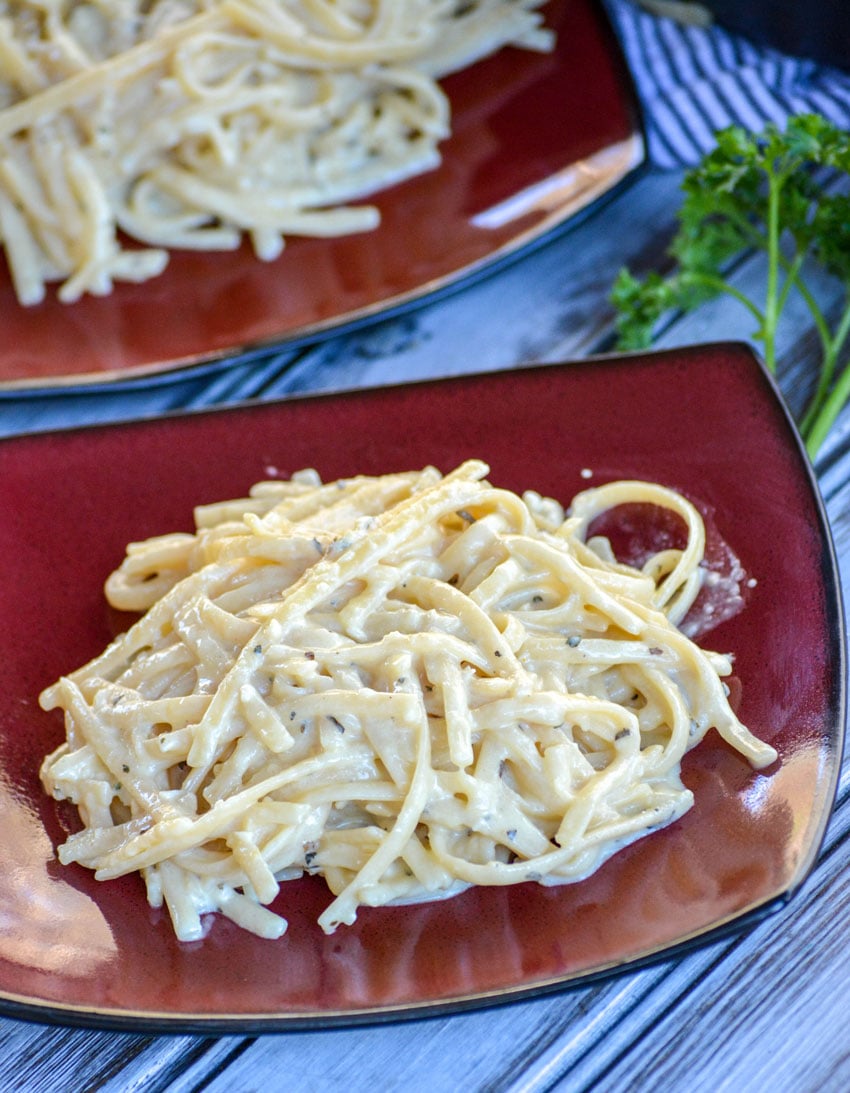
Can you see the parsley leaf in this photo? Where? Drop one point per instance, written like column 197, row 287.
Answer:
column 770, row 191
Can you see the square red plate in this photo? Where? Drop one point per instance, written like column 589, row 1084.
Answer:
column 705, row 420
column 536, row 139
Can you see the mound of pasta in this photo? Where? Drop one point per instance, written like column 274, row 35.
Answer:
column 195, row 123
column 406, row 684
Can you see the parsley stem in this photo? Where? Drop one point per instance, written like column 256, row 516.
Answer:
column 718, row 285
column 814, row 310
column 828, row 412
column 821, row 397
column 771, row 304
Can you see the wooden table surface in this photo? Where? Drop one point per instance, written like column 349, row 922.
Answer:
column 766, row 1010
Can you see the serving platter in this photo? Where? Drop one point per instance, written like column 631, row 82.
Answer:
column 536, row 140
column 705, row 420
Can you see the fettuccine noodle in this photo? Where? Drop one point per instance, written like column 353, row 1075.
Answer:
column 407, row 684
column 192, row 123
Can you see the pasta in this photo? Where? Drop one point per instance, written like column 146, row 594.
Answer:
column 128, row 127
column 407, row 684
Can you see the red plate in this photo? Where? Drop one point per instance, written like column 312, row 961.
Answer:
column 536, row 138
column 704, row 420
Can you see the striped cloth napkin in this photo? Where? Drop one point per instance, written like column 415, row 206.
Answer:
column 693, row 80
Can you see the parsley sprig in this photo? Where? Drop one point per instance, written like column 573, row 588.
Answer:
column 775, row 192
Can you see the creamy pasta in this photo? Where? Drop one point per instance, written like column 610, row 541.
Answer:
column 195, row 123
column 407, row 684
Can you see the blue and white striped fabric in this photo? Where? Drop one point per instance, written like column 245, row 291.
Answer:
column 693, row 81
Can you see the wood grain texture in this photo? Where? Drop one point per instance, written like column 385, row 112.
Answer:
column 766, row 1010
